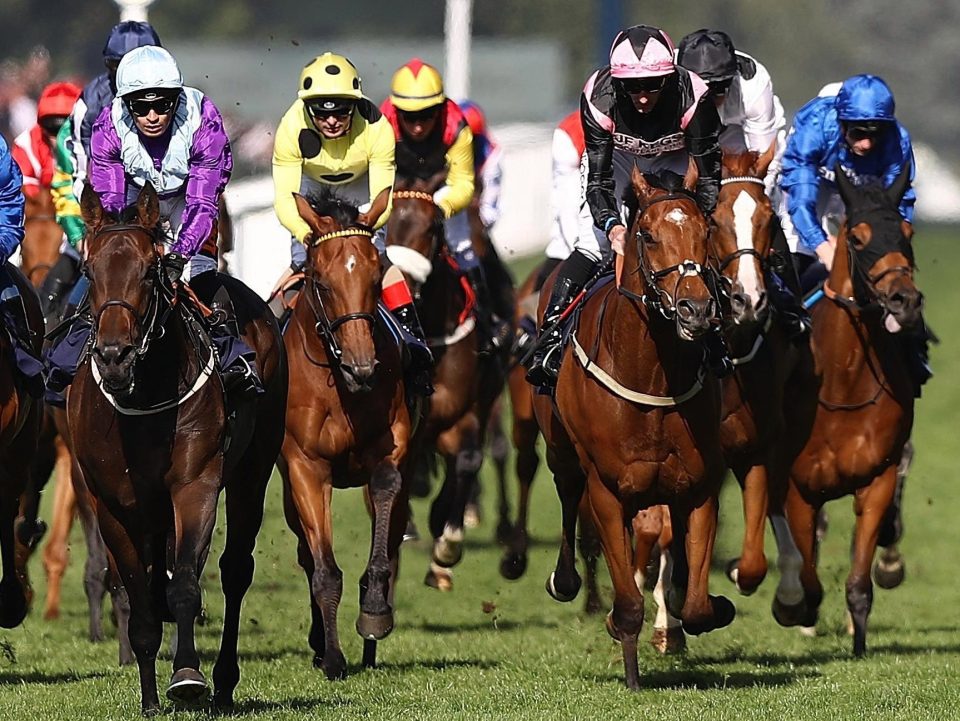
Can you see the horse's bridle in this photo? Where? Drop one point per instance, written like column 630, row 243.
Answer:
column 686, row 268
column 437, row 229
column 325, row 327
column 724, row 284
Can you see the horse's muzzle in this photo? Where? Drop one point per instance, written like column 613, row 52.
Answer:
column 743, row 311
column 358, row 376
column 694, row 317
column 115, row 363
column 904, row 306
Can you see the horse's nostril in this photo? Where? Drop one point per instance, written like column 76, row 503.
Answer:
column 685, row 310
column 740, row 302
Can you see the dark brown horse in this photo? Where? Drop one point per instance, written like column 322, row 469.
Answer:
column 864, row 410
column 347, row 426
column 635, row 421
column 466, row 386
column 20, row 415
column 150, row 428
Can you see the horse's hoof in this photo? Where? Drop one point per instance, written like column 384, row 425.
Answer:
column 733, row 574
column 889, row 573
column 13, row 609
column 448, row 549
column 669, row 640
column 513, row 566
column 787, row 615
column 439, row 578
column 733, row 567
column 187, row 686
column 722, row 614
column 334, row 665
column 150, row 711
column 471, row 516
column 223, row 701
column 563, row 592
column 374, row 627
column 411, row 533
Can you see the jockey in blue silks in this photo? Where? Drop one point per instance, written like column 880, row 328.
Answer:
column 856, row 128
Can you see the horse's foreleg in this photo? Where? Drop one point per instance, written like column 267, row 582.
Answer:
column 588, row 542
column 13, row 598
column 625, row 621
column 499, row 450
column 889, row 568
column 525, row 431
column 751, row 568
column 701, row 611
column 870, row 505
column 194, row 511
column 564, row 583
column 802, row 518
column 56, row 553
column 376, row 615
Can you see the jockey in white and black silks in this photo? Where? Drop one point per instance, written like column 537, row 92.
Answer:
column 160, row 131
column 642, row 111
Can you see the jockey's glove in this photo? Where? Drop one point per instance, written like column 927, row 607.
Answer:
column 173, row 265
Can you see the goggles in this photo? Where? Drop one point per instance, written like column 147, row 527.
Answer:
column 51, row 124
column 419, row 116
column 160, row 105
column 864, row 131
column 320, row 109
column 635, row 86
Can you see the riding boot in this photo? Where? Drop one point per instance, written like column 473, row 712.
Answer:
column 792, row 316
column 61, row 277
column 544, row 367
column 494, row 331
column 238, row 370
column 718, row 358
column 66, row 350
column 397, row 299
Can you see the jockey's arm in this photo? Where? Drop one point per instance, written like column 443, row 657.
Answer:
column 800, row 182
column 30, row 182
column 11, row 205
column 211, row 164
column 288, row 172
column 703, row 143
column 458, row 191
column 65, row 202
column 106, row 174
column 599, row 150
column 383, row 167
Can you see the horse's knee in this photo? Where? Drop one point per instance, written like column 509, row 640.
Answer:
column 327, row 582
column 626, row 618
column 469, row 461
column 183, row 594
column 237, row 570
column 859, row 596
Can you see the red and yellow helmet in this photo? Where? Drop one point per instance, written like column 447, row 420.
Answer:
column 416, row 86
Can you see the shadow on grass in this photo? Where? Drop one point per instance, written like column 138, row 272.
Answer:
column 485, row 625
column 429, row 665
column 12, row 678
column 703, row 680
column 258, row 706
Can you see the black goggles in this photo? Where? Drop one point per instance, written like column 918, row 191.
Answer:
column 418, row 116
column 720, row 87
column 635, row 86
column 864, row 131
column 51, row 124
column 142, row 107
column 325, row 109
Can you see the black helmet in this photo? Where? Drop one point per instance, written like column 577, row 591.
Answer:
column 708, row 53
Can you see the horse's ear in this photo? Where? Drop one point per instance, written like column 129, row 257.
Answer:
column 762, row 163
column 847, row 189
column 91, row 208
column 900, row 184
column 640, row 185
column 378, row 207
column 319, row 224
column 148, row 206
column 692, row 175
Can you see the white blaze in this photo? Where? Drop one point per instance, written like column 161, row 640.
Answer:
column 351, row 264
column 743, row 209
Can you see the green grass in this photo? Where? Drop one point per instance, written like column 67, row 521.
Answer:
column 499, row 649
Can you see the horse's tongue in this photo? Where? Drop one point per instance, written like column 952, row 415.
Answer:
column 891, row 324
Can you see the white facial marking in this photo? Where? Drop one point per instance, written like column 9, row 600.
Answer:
column 676, row 215
column 351, row 264
column 743, row 209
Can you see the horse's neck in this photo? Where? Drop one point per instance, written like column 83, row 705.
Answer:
column 171, row 363
column 441, row 299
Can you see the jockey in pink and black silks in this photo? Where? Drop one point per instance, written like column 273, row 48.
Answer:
column 642, row 111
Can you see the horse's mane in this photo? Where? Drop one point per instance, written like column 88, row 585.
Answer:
column 872, row 196
column 328, row 202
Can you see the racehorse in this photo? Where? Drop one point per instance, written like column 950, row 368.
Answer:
column 347, row 425
column 466, row 386
column 157, row 437
column 630, row 449
column 20, row 414
column 864, row 410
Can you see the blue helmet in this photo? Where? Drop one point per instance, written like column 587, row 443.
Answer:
column 865, row 98
column 127, row 36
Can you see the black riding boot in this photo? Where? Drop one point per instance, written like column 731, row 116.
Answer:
column 420, row 372
column 238, row 369
column 60, row 279
column 27, row 360
column 494, row 331
column 718, row 358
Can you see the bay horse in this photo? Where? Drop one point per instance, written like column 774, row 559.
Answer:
column 347, row 425
column 157, row 438
column 865, row 403
column 20, row 415
column 466, row 385
column 630, row 449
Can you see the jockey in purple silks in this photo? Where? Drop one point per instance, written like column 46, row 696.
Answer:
column 159, row 131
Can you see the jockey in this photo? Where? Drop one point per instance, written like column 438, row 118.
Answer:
column 33, row 148
column 12, row 310
column 334, row 136
column 432, row 136
column 752, row 119
column 72, row 150
column 567, row 157
column 157, row 130
column 640, row 111
column 487, row 164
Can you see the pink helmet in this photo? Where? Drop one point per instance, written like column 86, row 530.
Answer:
column 641, row 51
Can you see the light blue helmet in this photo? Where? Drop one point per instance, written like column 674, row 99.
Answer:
column 147, row 68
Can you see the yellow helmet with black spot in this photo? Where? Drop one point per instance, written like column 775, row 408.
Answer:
column 416, row 86
column 329, row 76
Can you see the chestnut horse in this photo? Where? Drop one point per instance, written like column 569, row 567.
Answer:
column 20, row 415
column 635, row 420
column 347, row 426
column 864, row 410
column 157, row 438
column 466, row 386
